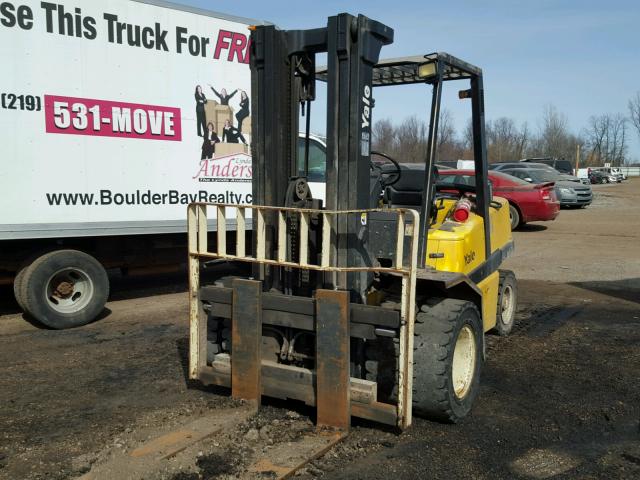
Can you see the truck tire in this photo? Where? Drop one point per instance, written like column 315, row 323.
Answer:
column 447, row 361
column 507, row 301
column 64, row 289
column 18, row 281
column 17, row 287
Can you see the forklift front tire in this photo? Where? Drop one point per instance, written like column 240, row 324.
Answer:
column 447, row 360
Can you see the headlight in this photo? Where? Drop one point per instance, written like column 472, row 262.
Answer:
column 567, row 191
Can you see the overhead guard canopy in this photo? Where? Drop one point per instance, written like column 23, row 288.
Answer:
column 404, row 70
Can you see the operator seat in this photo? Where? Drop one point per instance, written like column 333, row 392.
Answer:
column 407, row 192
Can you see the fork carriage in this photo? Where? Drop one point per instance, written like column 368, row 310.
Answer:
column 296, row 347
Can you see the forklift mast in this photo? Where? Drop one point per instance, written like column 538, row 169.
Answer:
column 283, row 67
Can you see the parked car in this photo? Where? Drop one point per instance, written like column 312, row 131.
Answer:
column 617, row 171
column 596, row 176
column 569, row 193
column 561, row 165
column 613, row 174
column 510, row 165
column 527, row 202
column 601, row 175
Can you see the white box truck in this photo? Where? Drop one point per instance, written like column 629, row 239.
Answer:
column 113, row 117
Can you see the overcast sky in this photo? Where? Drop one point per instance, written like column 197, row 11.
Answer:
column 581, row 56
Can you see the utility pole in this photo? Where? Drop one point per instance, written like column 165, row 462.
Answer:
column 577, row 158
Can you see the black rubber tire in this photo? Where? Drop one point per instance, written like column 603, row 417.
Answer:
column 18, row 282
column 508, row 286
column 381, row 366
column 436, row 332
column 34, row 287
column 514, row 217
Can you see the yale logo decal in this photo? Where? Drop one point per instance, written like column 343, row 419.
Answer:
column 469, row 257
column 366, row 108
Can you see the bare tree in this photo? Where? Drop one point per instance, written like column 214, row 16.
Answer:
column 383, row 136
column 554, row 139
column 553, row 132
column 606, row 139
column 634, row 111
column 406, row 142
column 505, row 141
column 411, row 140
column 448, row 146
column 467, row 140
column 523, row 141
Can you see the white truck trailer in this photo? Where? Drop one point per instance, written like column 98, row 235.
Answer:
column 113, row 117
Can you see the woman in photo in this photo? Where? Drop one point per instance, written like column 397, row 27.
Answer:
column 223, row 95
column 209, row 143
column 231, row 134
column 200, row 118
column 244, row 109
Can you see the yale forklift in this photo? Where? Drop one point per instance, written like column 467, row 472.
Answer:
column 372, row 303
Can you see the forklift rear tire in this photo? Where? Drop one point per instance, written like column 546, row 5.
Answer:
column 64, row 289
column 507, row 301
column 514, row 217
column 447, row 361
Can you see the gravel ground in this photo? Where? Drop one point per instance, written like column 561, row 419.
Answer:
column 560, row 397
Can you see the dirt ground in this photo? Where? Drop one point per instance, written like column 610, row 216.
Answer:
column 560, row 397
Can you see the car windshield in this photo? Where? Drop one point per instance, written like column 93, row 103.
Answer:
column 538, row 175
column 509, row 178
column 317, row 160
column 504, row 166
column 451, row 178
column 564, row 166
column 468, row 178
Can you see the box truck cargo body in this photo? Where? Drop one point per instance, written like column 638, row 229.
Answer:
column 113, row 117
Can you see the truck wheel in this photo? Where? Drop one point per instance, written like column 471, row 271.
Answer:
column 507, row 301
column 514, row 217
column 17, row 287
column 64, row 289
column 447, row 361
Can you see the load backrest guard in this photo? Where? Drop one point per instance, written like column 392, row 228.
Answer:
column 329, row 315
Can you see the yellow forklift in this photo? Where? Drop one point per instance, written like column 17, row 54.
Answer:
column 372, row 303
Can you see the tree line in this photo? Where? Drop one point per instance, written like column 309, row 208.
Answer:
column 604, row 139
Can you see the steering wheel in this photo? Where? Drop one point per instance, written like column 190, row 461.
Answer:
column 387, row 178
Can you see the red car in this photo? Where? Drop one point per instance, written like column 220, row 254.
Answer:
column 527, row 202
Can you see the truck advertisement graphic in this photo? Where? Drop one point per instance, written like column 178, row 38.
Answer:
column 115, row 115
